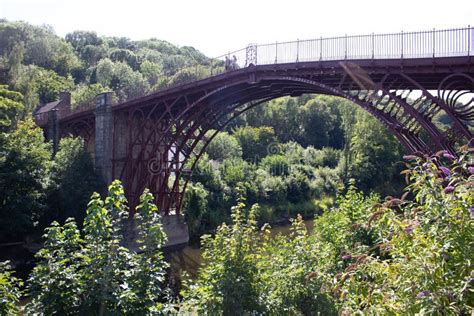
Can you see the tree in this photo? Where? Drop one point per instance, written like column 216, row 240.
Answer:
column 276, row 165
column 298, row 188
column 317, row 123
column 80, row 39
column 256, row 142
column 195, row 206
column 24, row 165
column 86, row 94
column 49, row 84
column 122, row 79
column 105, row 72
column 126, row 56
column 287, row 288
column 95, row 274
column 10, row 108
column 224, row 146
column 151, row 71
column 73, row 180
column 374, row 155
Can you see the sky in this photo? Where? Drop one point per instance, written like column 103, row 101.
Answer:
column 217, row 27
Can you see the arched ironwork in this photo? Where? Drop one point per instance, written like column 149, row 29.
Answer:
column 157, row 138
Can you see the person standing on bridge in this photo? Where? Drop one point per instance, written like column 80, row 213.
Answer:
column 227, row 65
column 234, row 63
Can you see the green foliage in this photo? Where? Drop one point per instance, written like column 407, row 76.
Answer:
column 227, row 283
column 55, row 283
column 196, row 209
column 427, row 246
column 41, row 64
column 224, row 146
column 235, row 171
column 318, row 122
column 86, row 94
column 246, row 272
column 24, row 165
column 374, row 154
column 10, row 292
column 325, row 157
column 41, row 46
column 276, row 165
column 48, row 85
column 151, row 71
column 73, row 180
column 10, row 108
column 80, row 39
column 298, row 187
column 363, row 257
column 41, row 85
column 293, row 272
column 95, row 274
column 256, row 142
column 119, row 76
column 274, row 189
column 126, row 56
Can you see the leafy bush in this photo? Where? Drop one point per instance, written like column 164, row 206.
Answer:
column 227, row 283
column 426, row 246
column 196, row 208
column 10, row 292
column 276, row 165
column 363, row 257
column 246, row 272
column 94, row 274
column 298, row 188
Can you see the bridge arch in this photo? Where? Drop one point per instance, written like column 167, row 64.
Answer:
column 402, row 79
column 183, row 136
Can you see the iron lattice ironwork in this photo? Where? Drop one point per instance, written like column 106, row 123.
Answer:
column 158, row 139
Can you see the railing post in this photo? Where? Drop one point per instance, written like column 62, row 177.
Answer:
column 434, row 49
column 373, row 45
column 256, row 56
column 468, row 40
column 321, row 48
column 401, row 44
column 297, row 49
column 345, row 47
column 276, row 52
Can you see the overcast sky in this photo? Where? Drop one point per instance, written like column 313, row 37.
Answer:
column 216, row 27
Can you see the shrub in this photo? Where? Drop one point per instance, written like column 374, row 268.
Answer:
column 276, row 165
column 94, row 274
column 228, row 282
column 424, row 262
column 10, row 292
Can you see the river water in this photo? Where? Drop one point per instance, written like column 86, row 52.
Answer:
column 188, row 259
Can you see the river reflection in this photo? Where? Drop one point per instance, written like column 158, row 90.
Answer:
column 188, row 259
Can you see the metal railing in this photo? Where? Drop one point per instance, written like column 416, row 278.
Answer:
column 424, row 44
column 403, row 45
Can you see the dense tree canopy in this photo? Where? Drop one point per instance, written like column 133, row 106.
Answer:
column 41, row 64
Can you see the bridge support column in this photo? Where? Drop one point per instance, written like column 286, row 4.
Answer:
column 53, row 129
column 104, row 136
